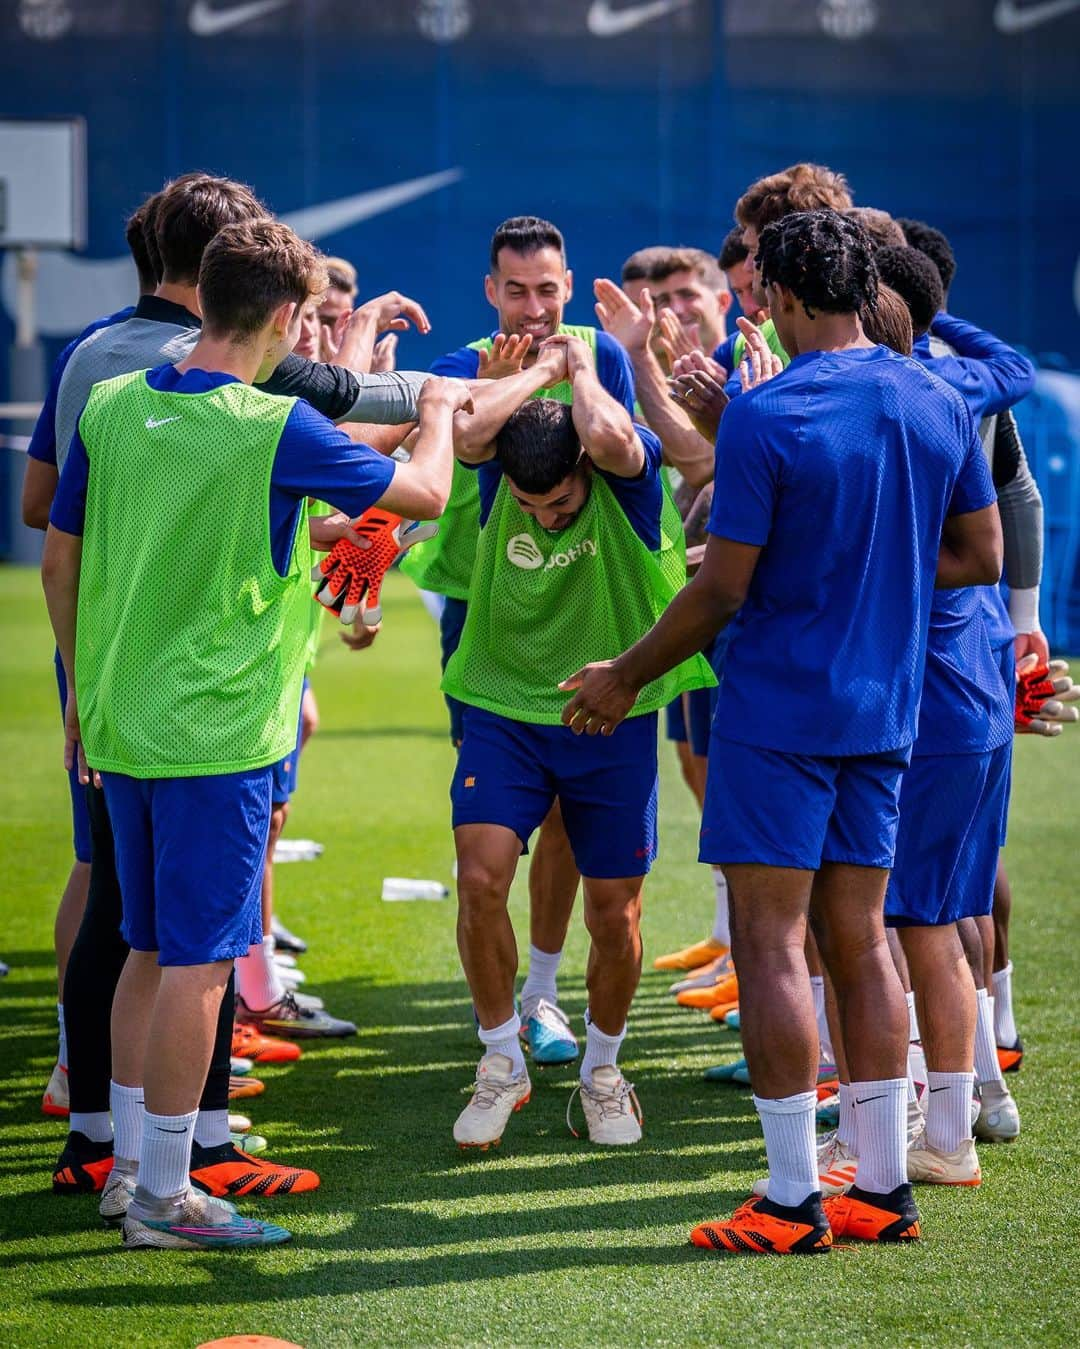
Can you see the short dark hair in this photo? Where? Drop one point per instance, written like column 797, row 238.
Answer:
column 135, row 234
column 934, row 244
column 798, row 188
column 539, row 445
column 824, row 258
column 526, row 234
column 732, row 250
column 884, row 231
column 638, row 266
column 249, row 269
column 190, row 212
column 342, row 275
column 696, row 260
column 916, row 280
column 889, row 324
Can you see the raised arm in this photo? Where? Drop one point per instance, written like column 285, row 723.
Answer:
column 495, row 400
column 1000, row 372
column 420, row 488
column 684, row 448
column 603, row 425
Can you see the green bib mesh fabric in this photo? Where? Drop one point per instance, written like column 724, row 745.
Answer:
column 317, row 612
column 768, row 332
column 190, row 647
column 543, row 605
column 444, row 563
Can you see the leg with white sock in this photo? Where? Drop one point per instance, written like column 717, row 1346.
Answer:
column 998, row 1120
column 847, row 910
column 553, row 885
column 791, row 1147
column 258, row 979
column 721, row 932
column 1005, row 1032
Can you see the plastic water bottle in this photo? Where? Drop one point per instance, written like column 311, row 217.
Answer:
column 404, row 887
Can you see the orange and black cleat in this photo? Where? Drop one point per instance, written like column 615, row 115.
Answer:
column 760, row 1227
column 83, row 1167
column 228, row 1173
column 248, row 1043
column 889, row 1217
column 1009, row 1060
column 240, row 1088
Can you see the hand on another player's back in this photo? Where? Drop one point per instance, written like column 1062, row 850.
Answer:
column 621, row 318
column 602, row 700
column 505, row 357
column 697, row 385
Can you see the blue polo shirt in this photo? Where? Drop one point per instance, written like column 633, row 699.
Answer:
column 842, row 469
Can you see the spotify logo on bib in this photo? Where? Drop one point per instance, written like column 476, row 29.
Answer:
column 522, row 551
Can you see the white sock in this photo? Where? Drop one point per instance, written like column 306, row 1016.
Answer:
column 504, row 1040
column 540, row 980
column 881, row 1125
column 817, row 988
column 987, row 1068
column 165, row 1162
column 721, row 930
column 61, row 1053
column 916, row 1066
column 601, row 1051
column 845, row 1130
column 791, row 1146
column 1005, row 1032
column 212, row 1128
column 948, row 1110
column 912, row 1019
column 94, row 1124
column 258, row 980
column 126, row 1104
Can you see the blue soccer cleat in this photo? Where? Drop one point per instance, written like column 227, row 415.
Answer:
column 546, row 1030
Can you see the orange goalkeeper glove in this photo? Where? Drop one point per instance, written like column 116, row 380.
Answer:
column 353, row 575
column 1042, row 692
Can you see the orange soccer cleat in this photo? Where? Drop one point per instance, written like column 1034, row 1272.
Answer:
column 691, row 957
column 875, row 1217
column 248, row 1043
column 83, row 1166
column 229, row 1173
column 760, row 1227
column 723, row 992
column 240, row 1088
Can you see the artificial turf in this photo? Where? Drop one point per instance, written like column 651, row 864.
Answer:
column 548, row 1240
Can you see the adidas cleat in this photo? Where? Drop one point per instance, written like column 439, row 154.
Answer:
column 239, row 1124
column 83, row 1166
column 828, row 1112
column 258, row 1048
column 54, row 1102
column 229, row 1172
column 705, row 975
column 612, row 1112
column 998, row 1120
column 874, row 1217
column 497, row 1094
column 242, row 1088
column 928, row 1166
column 836, row 1169
column 1010, row 1059
column 723, row 991
column 722, row 1011
column 288, row 1018
column 547, row 1032
column 760, row 1227
column 198, row 1222
column 691, row 957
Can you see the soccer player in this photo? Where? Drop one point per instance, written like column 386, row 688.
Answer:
column 737, row 264
column 636, row 273
column 835, row 482
column 39, row 486
column 529, row 286
column 572, row 553
column 184, row 747
column 688, row 284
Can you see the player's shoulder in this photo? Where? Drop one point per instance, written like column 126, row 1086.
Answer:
column 460, row 364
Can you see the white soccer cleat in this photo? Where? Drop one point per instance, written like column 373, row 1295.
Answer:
column 116, row 1195
column 55, row 1100
column 837, row 1165
column 496, row 1095
column 998, row 1120
column 926, row 1165
column 612, row 1111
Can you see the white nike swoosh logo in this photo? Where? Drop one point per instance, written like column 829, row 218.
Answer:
column 1010, row 17
column 152, row 423
column 74, row 291
column 206, row 21
column 603, row 20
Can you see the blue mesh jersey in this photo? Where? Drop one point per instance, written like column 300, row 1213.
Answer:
column 965, row 706
column 990, row 376
column 842, row 470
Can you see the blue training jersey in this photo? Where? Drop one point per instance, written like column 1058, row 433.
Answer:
column 842, row 469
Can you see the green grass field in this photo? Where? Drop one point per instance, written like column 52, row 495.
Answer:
column 549, row 1241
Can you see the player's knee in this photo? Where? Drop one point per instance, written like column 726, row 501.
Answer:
column 482, row 889
column 614, row 923
column 279, row 813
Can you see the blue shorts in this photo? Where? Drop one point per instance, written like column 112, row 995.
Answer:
column 80, row 819
column 702, row 705
column 285, row 773
column 451, row 623
column 1006, row 657
column 510, row 772
column 797, row 810
column 951, row 810
column 189, row 857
